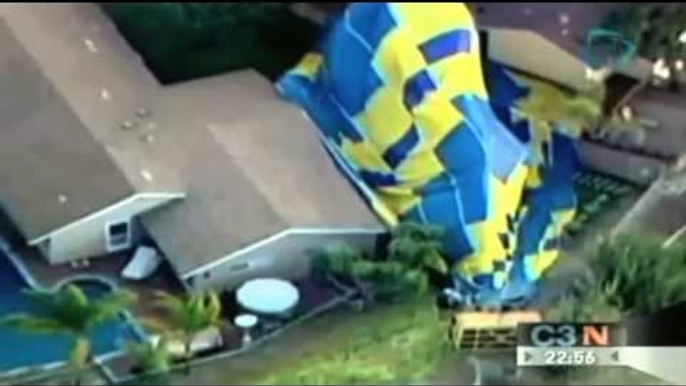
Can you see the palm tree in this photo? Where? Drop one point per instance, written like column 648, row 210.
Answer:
column 70, row 312
column 153, row 361
column 190, row 314
column 549, row 107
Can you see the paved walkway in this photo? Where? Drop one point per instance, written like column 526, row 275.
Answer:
column 662, row 209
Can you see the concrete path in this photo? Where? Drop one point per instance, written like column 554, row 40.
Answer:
column 662, row 209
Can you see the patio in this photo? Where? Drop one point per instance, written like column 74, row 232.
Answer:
column 109, row 268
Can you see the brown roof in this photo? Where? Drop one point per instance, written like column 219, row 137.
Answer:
column 52, row 170
column 250, row 164
column 104, row 84
column 254, row 166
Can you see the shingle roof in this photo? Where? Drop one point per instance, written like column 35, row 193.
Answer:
column 254, row 166
column 249, row 163
column 52, row 170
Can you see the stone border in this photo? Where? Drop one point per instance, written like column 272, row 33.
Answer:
column 129, row 319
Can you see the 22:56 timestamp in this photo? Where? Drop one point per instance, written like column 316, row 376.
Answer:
column 579, row 357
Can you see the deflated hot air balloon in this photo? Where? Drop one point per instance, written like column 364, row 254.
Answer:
column 398, row 93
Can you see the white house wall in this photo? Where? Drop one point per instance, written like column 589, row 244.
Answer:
column 86, row 238
column 286, row 257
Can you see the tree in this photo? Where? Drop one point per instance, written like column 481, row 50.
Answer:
column 415, row 251
column 657, row 30
column 594, row 305
column 633, row 275
column 334, row 259
column 187, row 315
column 418, row 246
column 646, row 277
column 152, row 361
column 551, row 108
column 70, row 312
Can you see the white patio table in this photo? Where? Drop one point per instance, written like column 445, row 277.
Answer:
column 268, row 296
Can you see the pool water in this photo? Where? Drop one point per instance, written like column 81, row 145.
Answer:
column 19, row 349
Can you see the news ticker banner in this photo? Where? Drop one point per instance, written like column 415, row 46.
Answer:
column 665, row 363
column 654, row 344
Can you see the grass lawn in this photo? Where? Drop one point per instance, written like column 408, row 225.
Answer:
column 390, row 344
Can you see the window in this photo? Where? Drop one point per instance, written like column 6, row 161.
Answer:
column 44, row 248
column 240, row 267
column 118, row 235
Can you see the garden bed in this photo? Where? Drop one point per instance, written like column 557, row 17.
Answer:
column 316, row 298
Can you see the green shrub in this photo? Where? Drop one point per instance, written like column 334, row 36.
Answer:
column 633, row 275
column 337, row 259
column 645, row 276
column 413, row 252
column 596, row 305
column 418, row 246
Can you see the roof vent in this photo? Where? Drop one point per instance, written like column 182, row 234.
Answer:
column 90, row 45
column 62, row 199
column 147, row 175
column 148, row 138
column 142, row 113
column 128, row 125
column 105, row 94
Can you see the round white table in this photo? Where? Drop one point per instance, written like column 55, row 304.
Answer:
column 268, row 296
column 246, row 322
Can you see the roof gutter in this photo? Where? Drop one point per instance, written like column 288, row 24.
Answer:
column 281, row 235
column 118, row 204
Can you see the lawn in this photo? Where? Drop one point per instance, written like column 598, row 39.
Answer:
column 387, row 345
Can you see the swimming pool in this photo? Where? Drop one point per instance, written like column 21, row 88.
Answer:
column 20, row 350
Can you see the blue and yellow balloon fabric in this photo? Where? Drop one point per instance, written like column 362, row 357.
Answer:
column 399, row 95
